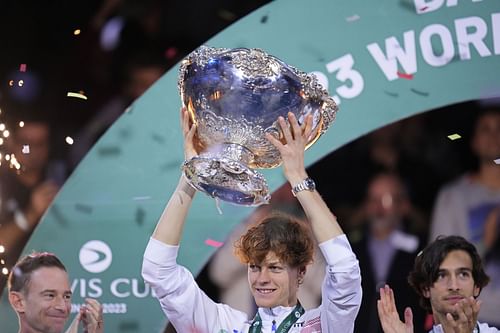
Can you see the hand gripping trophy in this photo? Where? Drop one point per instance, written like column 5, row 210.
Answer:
column 235, row 96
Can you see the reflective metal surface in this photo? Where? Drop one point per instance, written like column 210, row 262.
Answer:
column 235, row 96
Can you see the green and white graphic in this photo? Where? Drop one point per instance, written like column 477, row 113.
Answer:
column 383, row 61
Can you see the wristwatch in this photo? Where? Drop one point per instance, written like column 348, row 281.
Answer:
column 306, row 184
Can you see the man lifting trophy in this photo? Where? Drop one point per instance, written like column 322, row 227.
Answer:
column 235, row 96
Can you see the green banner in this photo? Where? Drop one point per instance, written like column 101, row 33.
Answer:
column 382, row 61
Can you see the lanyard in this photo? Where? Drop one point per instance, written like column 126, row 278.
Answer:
column 285, row 325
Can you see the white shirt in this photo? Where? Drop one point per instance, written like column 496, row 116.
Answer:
column 190, row 309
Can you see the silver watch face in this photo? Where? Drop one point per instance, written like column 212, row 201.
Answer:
column 309, row 183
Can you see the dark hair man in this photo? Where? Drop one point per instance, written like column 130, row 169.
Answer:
column 448, row 276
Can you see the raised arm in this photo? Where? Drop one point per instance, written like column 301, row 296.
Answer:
column 323, row 222
column 171, row 223
column 186, row 306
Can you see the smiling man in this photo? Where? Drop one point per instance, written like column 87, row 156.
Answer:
column 40, row 293
column 276, row 251
column 448, row 277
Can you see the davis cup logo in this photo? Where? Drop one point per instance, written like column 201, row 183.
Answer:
column 95, row 256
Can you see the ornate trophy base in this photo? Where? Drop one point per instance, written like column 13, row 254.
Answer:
column 224, row 177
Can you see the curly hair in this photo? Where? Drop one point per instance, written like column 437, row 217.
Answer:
column 20, row 274
column 426, row 268
column 289, row 238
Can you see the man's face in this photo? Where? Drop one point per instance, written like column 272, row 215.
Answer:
column 486, row 141
column 46, row 304
column 385, row 204
column 454, row 283
column 274, row 283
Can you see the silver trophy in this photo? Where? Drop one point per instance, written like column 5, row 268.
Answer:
column 235, row 97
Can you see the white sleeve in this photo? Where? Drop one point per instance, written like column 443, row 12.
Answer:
column 341, row 290
column 186, row 306
column 484, row 328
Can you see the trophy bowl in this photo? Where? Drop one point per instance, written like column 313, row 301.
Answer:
column 235, row 96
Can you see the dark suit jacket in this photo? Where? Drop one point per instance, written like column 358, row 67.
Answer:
column 367, row 320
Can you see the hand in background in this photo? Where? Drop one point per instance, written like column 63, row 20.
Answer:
column 388, row 314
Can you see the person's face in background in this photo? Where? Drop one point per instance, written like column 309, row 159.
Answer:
column 486, row 139
column 454, row 283
column 45, row 304
column 34, row 138
column 386, row 204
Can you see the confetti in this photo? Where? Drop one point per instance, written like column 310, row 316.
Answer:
column 109, row 151
column 22, row 68
column 352, row 18
column 69, row 140
column 20, row 83
column 83, row 208
column 26, row 149
column 454, row 136
column 21, row 123
column 77, row 32
column 405, row 76
column 418, row 92
column 139, row 216
column 77, row 95
column 158, row 138
column 5, row 271
column 497, row 161
column 214, row 243
column 2, row 249
column 145, row 197
column 11, row 83
column 393, row 94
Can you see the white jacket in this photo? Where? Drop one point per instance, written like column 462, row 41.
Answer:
column 189, row 309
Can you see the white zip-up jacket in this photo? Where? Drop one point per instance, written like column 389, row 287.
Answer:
column 189, row 309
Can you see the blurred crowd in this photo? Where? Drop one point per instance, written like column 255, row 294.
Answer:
column 393, row 190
